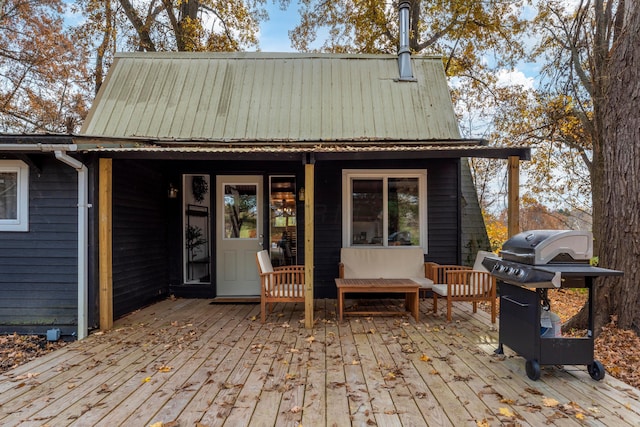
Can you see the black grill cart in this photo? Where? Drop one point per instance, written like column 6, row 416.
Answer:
column 532, row 263
column 520, row 312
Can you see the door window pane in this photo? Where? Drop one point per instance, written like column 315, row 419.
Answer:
column 240, row 210
column 283, row 228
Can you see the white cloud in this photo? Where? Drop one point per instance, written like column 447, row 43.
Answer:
column 514, row 77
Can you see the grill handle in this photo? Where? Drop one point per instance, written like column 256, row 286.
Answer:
column 511, row 300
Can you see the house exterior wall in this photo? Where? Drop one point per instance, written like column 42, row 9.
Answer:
column 474, row 231
column 140, row 245
column 147, row 238
column 39, row 268
column 443, row 214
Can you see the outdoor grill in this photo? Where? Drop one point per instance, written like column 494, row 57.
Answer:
column 544, row 258
column 532, row 263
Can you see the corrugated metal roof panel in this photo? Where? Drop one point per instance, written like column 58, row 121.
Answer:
column 266, row 96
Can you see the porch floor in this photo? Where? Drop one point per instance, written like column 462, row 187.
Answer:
column 188, row 361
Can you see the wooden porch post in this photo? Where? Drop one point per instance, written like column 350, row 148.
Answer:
column 513, row 204
column 308, row 244
column 105, row 230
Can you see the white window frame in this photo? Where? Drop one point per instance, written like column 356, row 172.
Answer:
column 348, row 175
column 21, row 223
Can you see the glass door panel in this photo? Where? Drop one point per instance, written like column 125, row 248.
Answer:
column 283, row 224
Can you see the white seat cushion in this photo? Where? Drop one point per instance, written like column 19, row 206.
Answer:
column 265, row 262
column 287, row 291
column 423, row 282
column 443, row 290
column 386, row 263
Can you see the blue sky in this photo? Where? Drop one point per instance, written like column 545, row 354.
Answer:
column 274, row 36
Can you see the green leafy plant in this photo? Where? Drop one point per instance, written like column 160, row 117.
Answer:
column 195, row 239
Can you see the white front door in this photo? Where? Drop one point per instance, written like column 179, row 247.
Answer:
column 238, row 235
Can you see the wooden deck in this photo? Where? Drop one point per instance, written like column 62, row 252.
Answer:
column 188, row 362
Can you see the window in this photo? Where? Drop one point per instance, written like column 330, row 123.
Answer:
column 384, row 208
column 14, row 196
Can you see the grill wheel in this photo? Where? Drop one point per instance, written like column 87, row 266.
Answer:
column 533, row 369
column 596, row 370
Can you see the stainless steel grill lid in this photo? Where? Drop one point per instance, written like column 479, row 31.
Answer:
column 540, row 247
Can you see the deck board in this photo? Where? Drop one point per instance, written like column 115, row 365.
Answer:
column 193, row 362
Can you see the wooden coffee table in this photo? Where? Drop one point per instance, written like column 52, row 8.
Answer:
column 402, row 286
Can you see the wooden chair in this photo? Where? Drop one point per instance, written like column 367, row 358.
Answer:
column 462, row 283
column 279, row 284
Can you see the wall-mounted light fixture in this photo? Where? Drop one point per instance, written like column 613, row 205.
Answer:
column 301, row 194
column 172, row 192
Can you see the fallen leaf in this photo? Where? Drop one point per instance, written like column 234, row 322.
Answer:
column 158, row 424
column 580, row 416
column 311, row 339
column 164, row 368
column 505, row 412
column 295, row 409
column 424, row 358
column 483, row 423
column 549, row 402
column 146, row 380
column 533, row 391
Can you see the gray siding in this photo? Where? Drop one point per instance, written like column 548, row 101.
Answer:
column 140, row 254
column 474, row 231
column 38, row 268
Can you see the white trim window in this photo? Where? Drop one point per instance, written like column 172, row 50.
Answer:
column 14, row 195
column 384, row 208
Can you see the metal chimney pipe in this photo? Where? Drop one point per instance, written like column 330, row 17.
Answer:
column 404, row 54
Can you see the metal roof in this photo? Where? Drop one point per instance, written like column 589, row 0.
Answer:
column 254, row 97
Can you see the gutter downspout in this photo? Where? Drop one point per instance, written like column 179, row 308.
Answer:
column 60, row 151
column 83, row 231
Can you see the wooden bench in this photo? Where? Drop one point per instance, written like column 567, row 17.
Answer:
column 385, row 263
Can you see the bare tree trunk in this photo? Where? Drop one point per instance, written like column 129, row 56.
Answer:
column 615, row 186
column 104, row 45
column 621, row 179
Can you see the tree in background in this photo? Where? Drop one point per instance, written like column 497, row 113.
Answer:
column 620, row 186
column 169, row 25
column 43, row 79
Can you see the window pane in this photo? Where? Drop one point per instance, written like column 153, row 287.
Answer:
column 404, row 212
column 367, row 217
column 8, row 195
column 240, row 207
column 283, row 230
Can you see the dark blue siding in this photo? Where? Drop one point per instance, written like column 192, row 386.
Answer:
column 140, row 253
column 442, row 214
column 39, row 268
